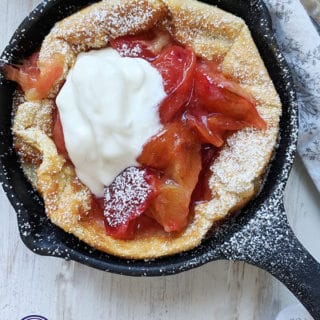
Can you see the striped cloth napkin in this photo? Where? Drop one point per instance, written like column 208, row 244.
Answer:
column 300, row 44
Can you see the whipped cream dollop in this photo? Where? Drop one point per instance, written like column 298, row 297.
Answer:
column 109, row 109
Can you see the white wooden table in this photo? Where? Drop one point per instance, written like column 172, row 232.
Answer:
column 31, row 284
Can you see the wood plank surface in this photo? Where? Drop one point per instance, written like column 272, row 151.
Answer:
column 58, row 289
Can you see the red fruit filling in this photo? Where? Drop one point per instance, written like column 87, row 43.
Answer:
column 58, row 136
column 202, row 191
column 174, row 153
column 35, row 80
column 144, row 45
column 177, row 67
column 216, row 94
column 201, row 109
column 128, row 196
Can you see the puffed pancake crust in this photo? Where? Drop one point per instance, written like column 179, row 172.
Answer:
column 236, row 173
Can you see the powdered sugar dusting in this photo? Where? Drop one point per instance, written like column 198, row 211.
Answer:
column 126, row 196
column 246, row 155
column 127, row 51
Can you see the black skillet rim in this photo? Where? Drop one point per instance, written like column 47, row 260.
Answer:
column 52, row 241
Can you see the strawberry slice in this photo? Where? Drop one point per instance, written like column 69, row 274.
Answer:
column 220, row 95
column 177, row 67
column 202, row 191
column 212, row 128
column 58, row 136
column 35, row 80
column 127, row 198
column 175, row 153
column 133, row 47
column 221, row 122
column 144, row 45
column 204, row 133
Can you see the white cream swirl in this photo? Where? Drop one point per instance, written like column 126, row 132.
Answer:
column 109, row 110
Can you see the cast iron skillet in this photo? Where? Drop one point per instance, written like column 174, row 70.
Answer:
column 260, row 235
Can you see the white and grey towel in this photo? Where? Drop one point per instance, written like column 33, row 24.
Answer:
column 300, row 43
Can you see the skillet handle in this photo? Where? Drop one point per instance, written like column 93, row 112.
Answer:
column 292, row 264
